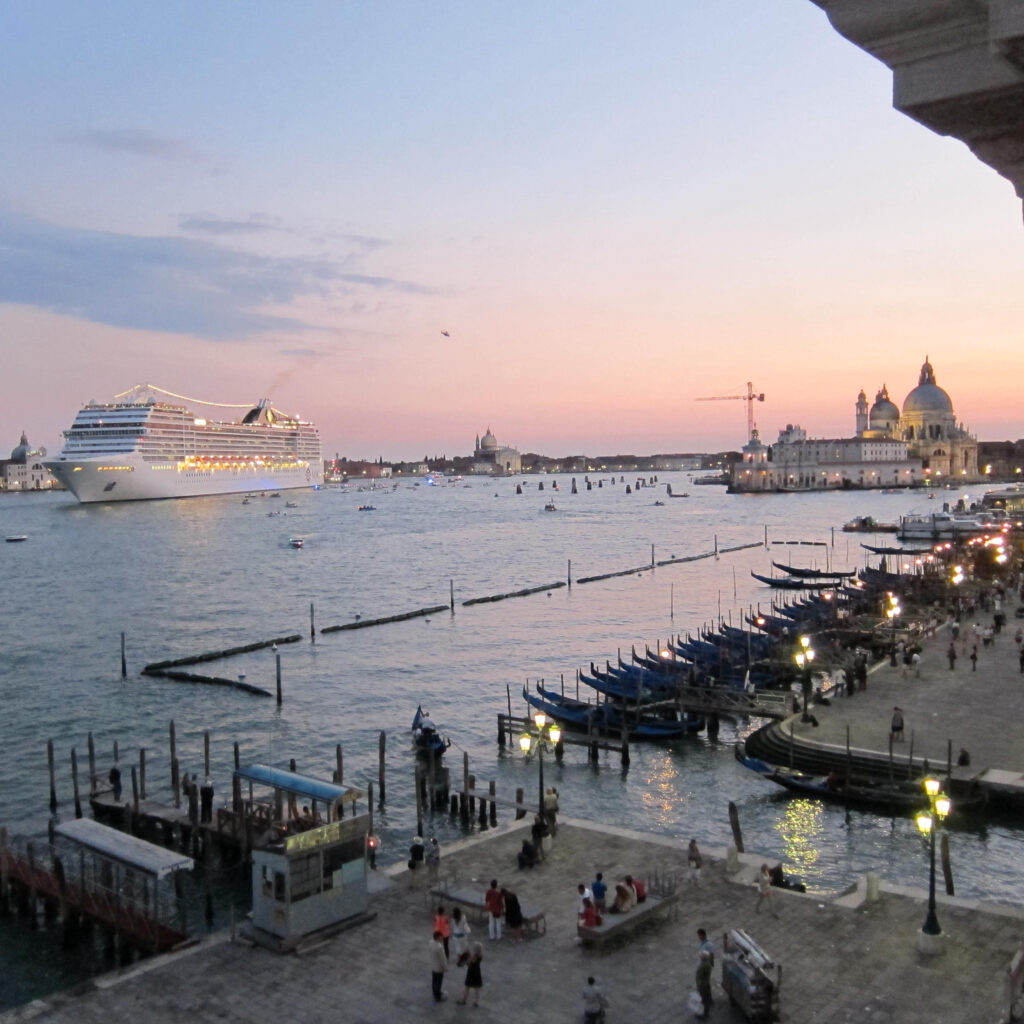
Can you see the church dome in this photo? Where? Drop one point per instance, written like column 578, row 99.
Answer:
column 884, row 412
column 928, row 398
column 22, row 452
column 488, row 442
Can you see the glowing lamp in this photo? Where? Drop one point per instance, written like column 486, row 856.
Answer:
column 539, row 719
column 932, row 787
column 924, row 823
column 524, row 743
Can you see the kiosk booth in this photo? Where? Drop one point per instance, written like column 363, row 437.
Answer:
column 309, row 867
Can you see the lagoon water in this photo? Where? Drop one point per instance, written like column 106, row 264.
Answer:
column 181, row 577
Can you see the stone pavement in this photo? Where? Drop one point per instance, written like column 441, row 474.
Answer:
column 982, row 710
column 843, row 961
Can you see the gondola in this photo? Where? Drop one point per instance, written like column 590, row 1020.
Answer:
column 874, row 794
column 817, row 574
column 425, row 736
column 896, row 551
column 784, row 583
column 607, row 718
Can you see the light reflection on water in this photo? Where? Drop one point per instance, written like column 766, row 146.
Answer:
column 189, row 576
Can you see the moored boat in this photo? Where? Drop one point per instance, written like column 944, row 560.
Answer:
column 425, row 736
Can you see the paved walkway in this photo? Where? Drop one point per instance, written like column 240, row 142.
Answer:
column 843, row 961
column 981, row 711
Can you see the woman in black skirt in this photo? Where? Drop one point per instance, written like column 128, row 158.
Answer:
column 474, row 979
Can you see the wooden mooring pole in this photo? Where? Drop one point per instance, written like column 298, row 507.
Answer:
column 381, row 747
column 92, row 767
column 175, row 768
column 53, row 778
column 277, row 658
column 124, row 659
column 734, row 824
column 74, row 782
column 312, row 624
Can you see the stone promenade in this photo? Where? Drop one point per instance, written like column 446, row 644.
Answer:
column 842, row 961
column 981, row 710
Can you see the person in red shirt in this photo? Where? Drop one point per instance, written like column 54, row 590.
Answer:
column 590, row 917
column 495, row 904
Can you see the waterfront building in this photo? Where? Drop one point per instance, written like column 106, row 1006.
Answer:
column 24, row 470
column 493, row 459
column 921, row 445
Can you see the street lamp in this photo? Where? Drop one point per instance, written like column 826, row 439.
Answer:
column 927, row 821
column 804, row 657
column 552, row 735
column 892, row 613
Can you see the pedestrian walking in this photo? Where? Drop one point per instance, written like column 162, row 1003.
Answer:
column 915, row 664
column 764, row 891
column 474, row 978
column 438, row 965
column 951, row 654
column 896, row 728
column 695, row 862
column 443, row 927
column 974, row 658
column 594, row 1003
column 1021, row 660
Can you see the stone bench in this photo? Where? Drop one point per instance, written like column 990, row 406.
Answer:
column 613, row 925
column 534, row 919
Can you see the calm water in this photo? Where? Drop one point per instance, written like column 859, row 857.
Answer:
column 180, row 577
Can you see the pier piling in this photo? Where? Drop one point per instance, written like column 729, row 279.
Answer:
column 53, row 782
column 381, row 746
column 312, row 624
column 206, row 755
column 124, row 660
column 734, row 824
column 92, row 767
column 74, row 783
column 277, row 658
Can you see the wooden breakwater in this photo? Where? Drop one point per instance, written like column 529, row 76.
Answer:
column 526, row 592
column 157, row 667
column 196, row 677
column 401, row 617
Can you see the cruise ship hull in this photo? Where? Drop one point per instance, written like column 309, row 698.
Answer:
column 130, row 479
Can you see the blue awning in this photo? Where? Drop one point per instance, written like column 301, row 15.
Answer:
column 300, row 785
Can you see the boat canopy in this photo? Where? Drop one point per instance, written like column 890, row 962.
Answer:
column 300, row 785
column 132, row 852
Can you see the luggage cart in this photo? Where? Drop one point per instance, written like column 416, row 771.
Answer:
column 750, row 978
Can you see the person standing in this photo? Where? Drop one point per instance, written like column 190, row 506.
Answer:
column 695, row 862
column 443, row 926
column 513, row 914
column 594, row 1003
column 474, row 978
column 600, row 891
column 703, row 982
column 896, row 728
column 764, row 891
column 438, row 965
column 705, row 945
column 115, row 780
column 495, row 909
column 974, row 658
column 584, row 894
column 460, row 936
column 951, row 654
column 433, row 859
column 1020, row 659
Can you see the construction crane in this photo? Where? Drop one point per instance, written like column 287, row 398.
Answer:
column 750, row 398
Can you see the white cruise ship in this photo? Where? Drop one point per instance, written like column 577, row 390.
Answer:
column 142, row 446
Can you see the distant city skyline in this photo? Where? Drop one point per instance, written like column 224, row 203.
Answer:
column 566, row 222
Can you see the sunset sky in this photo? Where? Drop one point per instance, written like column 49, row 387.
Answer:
column 611, row 208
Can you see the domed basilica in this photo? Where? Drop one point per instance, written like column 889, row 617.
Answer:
column 927, row 424
column 923, row 444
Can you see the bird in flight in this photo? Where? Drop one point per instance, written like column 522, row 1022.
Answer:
column 446, row 334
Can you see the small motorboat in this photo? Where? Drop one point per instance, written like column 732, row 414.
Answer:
column 16, row 538
column 550, row 507
column 660, row 504
column 367, row 508
column 291, row 504
column 295, row 542
column 425, row 736
column 245, row 501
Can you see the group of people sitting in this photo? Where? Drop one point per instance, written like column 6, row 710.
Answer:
column 593, row 900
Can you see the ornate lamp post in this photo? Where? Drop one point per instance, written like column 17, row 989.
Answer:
column 927, row 821
column 804, row 657
column 551, row 736
column 892, row 613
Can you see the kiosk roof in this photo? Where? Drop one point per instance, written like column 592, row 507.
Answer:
column 129, row 850
column 301, row 785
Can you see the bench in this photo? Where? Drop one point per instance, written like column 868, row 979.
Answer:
column 619, row 924
column 472, row 899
